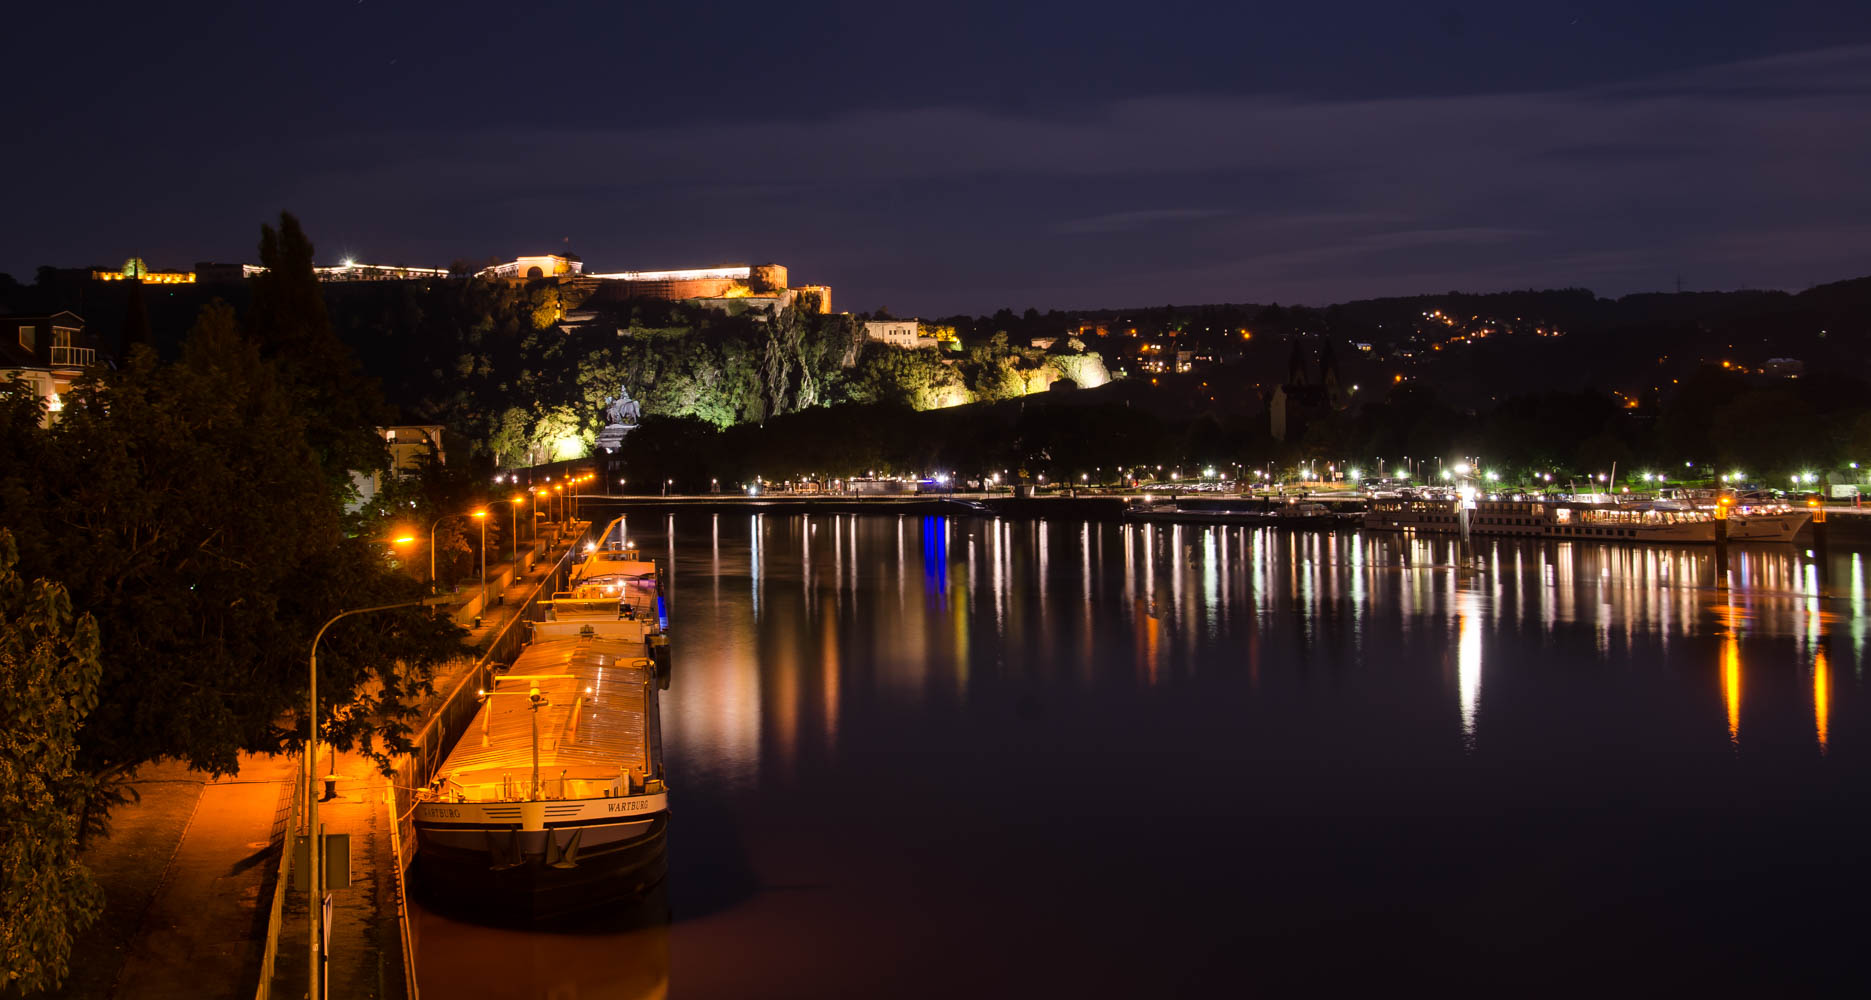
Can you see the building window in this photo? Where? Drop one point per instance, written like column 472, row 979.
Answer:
column 29, row 337
column 62, row 336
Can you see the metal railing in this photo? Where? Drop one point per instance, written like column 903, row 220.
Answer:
column 276, row 915
column 410, row 990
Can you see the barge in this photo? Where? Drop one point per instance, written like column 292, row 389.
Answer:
column 554, row 798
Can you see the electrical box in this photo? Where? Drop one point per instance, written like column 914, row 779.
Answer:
column 337, row 862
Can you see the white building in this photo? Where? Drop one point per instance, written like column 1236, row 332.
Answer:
column 904, row 333
column 543, row 265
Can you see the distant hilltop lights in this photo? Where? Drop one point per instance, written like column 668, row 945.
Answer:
column 731, row 288
column 350, row 270
column 734, row 289
column 135, row 270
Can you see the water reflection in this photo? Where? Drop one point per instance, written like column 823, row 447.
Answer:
column 1731, row 684
column 1468, row 661
column 621, row 954
column 920, row 609
column 1822, row 697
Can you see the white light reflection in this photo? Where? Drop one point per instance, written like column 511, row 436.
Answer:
column 1468, row 661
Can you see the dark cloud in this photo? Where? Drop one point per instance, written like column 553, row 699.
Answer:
column 934, row 197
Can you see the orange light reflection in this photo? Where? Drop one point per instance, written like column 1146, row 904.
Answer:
column 1822, row 697
column 1731, row 684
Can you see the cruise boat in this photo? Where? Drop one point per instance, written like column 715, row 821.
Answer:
column 554, row 798
column 1544, row 518
column 1769, row 523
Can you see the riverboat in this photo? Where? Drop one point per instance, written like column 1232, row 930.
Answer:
column 554, row 800
column 1298, row 516
column 1575, row 520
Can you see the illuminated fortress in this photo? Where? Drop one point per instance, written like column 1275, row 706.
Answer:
column 731, row 288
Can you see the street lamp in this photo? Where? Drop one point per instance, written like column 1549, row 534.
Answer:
column 432, row 527
column 481, row 516
column 315, row 837
column 513, row 505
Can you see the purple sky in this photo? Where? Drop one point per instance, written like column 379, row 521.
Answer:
column 965, row 157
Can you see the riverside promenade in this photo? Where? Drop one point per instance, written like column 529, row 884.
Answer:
column 190, row 871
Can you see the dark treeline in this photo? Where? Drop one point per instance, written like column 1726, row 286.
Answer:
column 1718, row 419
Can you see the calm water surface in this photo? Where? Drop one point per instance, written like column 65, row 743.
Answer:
column 930, row 757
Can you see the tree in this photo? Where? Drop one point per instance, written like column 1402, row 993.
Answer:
column 182, row 504
column 914, row 378
column 341, row 407
column 49, row 669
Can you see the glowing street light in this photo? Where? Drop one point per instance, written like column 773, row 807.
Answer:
column 514, row 503
column 481, row 516
column 436, row 524
column 315, row 841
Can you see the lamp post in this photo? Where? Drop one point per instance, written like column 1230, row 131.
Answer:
column 481, row 516
column 513, row 506
column 432, row 527
column 315, row 837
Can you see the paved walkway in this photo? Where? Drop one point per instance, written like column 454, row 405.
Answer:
column 202, row 934
column 131, row 865
column 514, row 595
column 366, row 956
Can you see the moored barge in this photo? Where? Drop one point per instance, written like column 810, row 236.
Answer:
column 554, row 798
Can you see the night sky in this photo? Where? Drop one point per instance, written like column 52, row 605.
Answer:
column 950, row 157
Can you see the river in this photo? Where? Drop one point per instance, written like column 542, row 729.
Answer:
column 921, row 757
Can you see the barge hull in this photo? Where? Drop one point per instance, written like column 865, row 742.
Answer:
column 485, row 879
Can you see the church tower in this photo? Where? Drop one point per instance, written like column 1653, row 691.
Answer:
column 1328, row 375
column 1296, row 363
